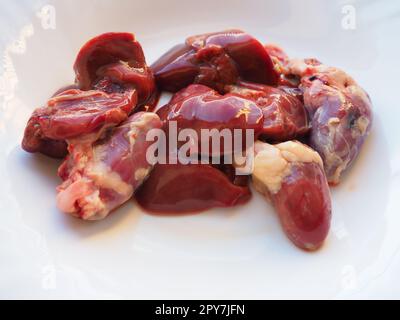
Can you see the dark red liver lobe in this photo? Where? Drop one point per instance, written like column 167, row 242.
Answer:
column 74, row 113
column 117, row 57
column 215, row 59
column 285, row 116
column 198, row 107
column 177, row 188
column 304, row 205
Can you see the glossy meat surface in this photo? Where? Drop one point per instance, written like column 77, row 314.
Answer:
column 285, row 117
column 178, row 188
column 291, row 176
column 340, row 112
column 215, row 59
column 225, row 84
column 101, row 176
column 118, row 57
column 198, row 107
column 73, row 113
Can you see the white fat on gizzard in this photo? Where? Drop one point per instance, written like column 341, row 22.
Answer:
column 272, row 163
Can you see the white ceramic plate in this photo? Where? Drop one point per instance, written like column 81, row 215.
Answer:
column 232, row 253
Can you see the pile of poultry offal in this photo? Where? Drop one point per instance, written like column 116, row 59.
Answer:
column 309, row 122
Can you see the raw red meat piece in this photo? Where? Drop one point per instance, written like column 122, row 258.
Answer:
column 198, row 107
column 340, row 112
column 74, row 113
column 285, row 117
column 215, row 59
column 178, row 188
column 101, row 176
column 291, row 176
column 118, row 57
